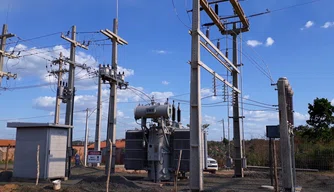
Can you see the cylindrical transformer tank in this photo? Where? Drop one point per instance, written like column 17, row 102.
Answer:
column 153, row 111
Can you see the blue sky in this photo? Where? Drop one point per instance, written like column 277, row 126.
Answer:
column 155, row 61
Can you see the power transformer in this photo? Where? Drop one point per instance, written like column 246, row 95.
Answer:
column 156, row 146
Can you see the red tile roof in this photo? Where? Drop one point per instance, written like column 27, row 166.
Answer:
column 5, row 143
column 119, row 144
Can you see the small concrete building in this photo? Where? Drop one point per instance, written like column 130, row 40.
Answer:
column 52, row 140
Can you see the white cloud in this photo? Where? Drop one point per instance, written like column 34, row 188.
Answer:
column 207, row 119
column 332, row 102
column 301, row 117
column 328, row 24
column 307, row 25
column 246, row 96
column 132, row 95
column 254, row 43
column 207, row 93
column 165, row 82
column 45, row 102
column 36, row 61
column 160, row 51
column 269, row 42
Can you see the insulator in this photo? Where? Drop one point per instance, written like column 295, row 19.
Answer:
column 218, row 44
column 108, row 65
column 104, row 66
column 216, row 8
column 178, row 113
column 123, row 73
column 214, row 86
column 207, row 33
column 173, row 112
column 226, row 53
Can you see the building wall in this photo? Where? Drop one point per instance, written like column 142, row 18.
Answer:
column 81, row 151
column 27, row 140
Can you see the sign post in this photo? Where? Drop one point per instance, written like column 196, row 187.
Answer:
column 94, row 157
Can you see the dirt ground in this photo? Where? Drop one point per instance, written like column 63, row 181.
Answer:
column 94, row 180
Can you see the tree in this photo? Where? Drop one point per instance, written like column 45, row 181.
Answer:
column 321, row 121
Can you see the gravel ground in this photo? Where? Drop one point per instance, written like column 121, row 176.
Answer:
column 94, row 180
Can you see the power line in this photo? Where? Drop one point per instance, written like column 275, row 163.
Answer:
column 292, row 6
column 34, row 38
column 34, row 86
column 178, row 17
column 33, row 117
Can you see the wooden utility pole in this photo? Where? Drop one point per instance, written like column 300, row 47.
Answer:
column 71, row 91
column 177, row 171
column 7, row 156
column 37, row 162
column 3, row 37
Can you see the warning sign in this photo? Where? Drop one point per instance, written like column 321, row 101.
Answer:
column 94, row 156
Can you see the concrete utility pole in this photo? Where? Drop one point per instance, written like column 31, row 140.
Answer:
column 59, row 85
column 71, row 90
column 284, row 94
column 111, row 130
column 86, row 139
column 4, row 36
column 223, row 129
column 97, row 144
column 114, row 82
column 196, row 156
column 238, row 157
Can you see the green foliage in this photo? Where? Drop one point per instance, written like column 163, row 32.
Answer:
column 225, row 141
column 315, row 156
column 320, row 123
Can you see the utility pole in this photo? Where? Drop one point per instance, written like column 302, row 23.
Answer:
column 97, row 144
column 115, row 80
column 71, row 91
column 238, row 157
column 196, row 156
column 86, row 139
column 60, row 88
column 4, row 36
column 284, row 98
column 223, row 128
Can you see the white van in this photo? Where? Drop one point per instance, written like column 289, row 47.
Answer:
column 212, row 165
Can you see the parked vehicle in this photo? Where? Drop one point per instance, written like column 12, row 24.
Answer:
column 212, row 165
